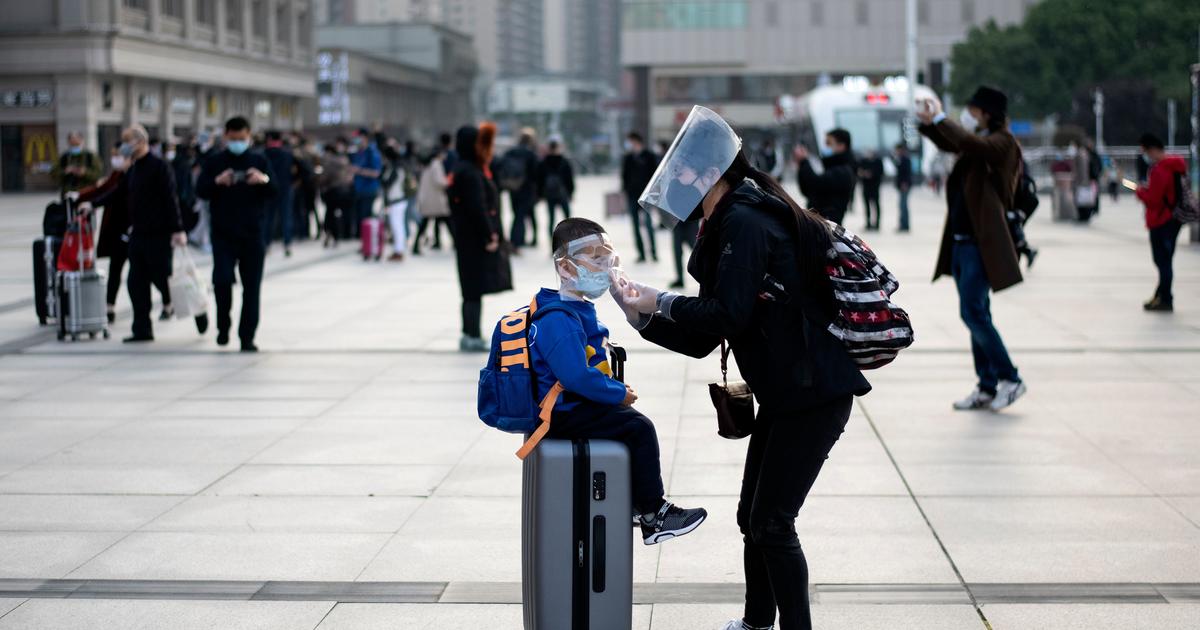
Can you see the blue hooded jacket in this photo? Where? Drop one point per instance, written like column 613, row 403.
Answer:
column 572, row 351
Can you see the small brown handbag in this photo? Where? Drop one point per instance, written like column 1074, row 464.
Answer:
column 734, row 403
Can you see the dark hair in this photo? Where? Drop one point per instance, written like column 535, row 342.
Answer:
column 391, row 153
column 237, row 123
column 553, row 144
column 841, row 135
column 568, row 230
column 1150, row 141
column 636, row 137
column 273, row 135
column 445, row 140
column 815, row 238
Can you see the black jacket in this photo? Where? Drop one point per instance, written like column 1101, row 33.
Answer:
column 475, row 214
column 636, row 171
column 904, row 174
column 282, row 162
column 782, row 349
column 149, row 190
column 871, row 169
column 528, row 160
column 560, row 167
column 830, row 192
column 238, row 211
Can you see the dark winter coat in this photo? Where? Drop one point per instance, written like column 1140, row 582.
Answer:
column 990, row 167
column 637, row 169
column 114, row 222
column 789, row 360
column 237, row 212
column 148, row 187
column 474, row 212
column 556, row 166
column 831, row 192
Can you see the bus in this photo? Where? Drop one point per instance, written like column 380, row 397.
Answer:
column 875, row 116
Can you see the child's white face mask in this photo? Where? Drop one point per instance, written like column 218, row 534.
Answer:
column 593, row 259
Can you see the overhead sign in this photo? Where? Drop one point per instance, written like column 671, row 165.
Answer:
column 333, row 91
column 27, row 98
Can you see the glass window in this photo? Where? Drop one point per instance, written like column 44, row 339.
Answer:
column 863, row 125
column 816, row 13
column 861, row 13
column 206, row 12
column 258, row 13
column 233, row 15
column 968, row 11
column 685, row 15
column 283, row 23
column 172, row 8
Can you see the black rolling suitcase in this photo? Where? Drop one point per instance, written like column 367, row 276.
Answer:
column 576, row 533
column 45, row 255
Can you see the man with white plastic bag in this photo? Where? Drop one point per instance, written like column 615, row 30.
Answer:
column 189, row 290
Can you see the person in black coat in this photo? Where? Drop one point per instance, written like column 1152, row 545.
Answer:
column 870, row 173
column 904, row 181
column 758, row 259
column 636, row 170
column 556, row 183
column 831, row 191
column 520, row 162
column 475, row 215
column 240, row 188
column 279, row 220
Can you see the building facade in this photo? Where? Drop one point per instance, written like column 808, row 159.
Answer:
column 583, row 39
column 413, row 80
column 376, row 11
column 175, row 66
column 742, row 55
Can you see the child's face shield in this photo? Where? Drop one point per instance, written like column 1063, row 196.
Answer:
column 702, row 151
column 585, row 266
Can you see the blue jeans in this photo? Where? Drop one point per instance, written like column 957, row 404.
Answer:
column 282, row 214
column 992, row 363
column 904, row 208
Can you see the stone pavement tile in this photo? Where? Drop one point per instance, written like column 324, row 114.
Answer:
column 87, row 614
column 1067, row 539
column 1164, row 463
column 218, row 409
column 240, row 390
column 1098, row 477
column 26, row 440
column 80, row 513
column 54, row 478
column 287, row 514
column 372, row 443
column 105, row 392
column 837, row 478
column 829, row 617
column 1093, row 616
column 51, row 554
column 234, row 556
column 489, row 480
column 413, row 480
column 176, row 442
column 1190, row 506
column 390, row 616
column 69, row 407
column 7, row 604
column 462, row 406
column 846, row 540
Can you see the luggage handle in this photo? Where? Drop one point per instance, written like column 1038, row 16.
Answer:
column 599, row 570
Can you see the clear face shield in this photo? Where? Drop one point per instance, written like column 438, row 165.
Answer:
column 701, row 152
column 585, row 267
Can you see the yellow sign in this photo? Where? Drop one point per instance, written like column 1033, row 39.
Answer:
column 39, row 149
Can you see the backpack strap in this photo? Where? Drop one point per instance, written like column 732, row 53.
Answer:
column 551, row 398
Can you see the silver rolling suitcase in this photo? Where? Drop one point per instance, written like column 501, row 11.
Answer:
column 577, row 537
column 81, row 304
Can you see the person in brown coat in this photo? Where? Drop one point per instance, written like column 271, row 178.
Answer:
column 977, row 250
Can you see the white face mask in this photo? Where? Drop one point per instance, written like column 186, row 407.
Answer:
column 968, row 120
column 170, row 155
column 116, row 161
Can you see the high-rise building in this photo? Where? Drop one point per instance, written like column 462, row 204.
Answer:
column 741, row 55
column 375, row 11
column 583, row 39
column 177, row 67
column 508, row 34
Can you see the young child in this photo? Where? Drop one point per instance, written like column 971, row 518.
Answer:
column 571, row 350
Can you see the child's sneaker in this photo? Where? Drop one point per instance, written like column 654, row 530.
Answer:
column 738, row 624
column 671, row 521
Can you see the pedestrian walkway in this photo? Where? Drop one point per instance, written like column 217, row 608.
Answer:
column 341, row 479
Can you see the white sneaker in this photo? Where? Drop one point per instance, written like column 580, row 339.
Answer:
column 1007, row 393
column 978, row 399
column 737, row 624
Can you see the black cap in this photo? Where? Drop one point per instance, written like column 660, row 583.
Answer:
column 990, row 100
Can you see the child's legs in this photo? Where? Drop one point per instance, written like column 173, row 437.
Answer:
column 595, row 421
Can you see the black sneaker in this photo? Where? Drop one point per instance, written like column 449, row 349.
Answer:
column 671, row 522
column 167, row 313
column 678, row 284
column 1158, row 305
column 202, row 323
column 222, row 337
column 249, row 347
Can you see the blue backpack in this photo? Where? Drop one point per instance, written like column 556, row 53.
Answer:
column 508, row 385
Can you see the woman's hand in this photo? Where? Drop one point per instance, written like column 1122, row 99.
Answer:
column 639, row 297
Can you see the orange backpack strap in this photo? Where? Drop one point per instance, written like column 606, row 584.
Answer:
column 547, row 407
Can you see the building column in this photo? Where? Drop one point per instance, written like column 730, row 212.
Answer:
column 74, row 109
column 294, row 18
column 114, row 11
column 189, row 19
column 272, row 27
column 247, row 24
column 154, row 12
column 220, row 17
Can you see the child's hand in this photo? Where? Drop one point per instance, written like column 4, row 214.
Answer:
column 630, row 397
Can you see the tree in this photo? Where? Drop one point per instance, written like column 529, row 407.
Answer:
column 1066, row 48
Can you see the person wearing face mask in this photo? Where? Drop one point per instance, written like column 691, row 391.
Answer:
column 977, row 249
column 156, row 226
column 112, row 243
column 831, row 191
column 239, row 187
column 77, row 168
column 760, row 261
column 568, row 345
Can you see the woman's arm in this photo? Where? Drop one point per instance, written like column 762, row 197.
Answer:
column 676, row 338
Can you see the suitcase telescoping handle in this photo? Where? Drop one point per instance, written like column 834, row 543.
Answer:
column 616, row 360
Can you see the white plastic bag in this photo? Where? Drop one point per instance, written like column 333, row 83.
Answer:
column 189, row 290
column 1085, row 196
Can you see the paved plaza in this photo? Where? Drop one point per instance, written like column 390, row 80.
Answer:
column 340, row 479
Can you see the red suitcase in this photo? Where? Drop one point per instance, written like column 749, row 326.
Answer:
column 373, row 238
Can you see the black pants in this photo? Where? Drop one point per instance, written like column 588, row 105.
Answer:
column 641, row 218
column 116, row 264
column 787, row 450
column 523, row 217
column 149, row 263
column 1162, row 248
column 246, row 254
column 685, row 232
column 592, row 420
column 871, row 204
column 438, row 223
column 338, row 207
column 566, row 212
